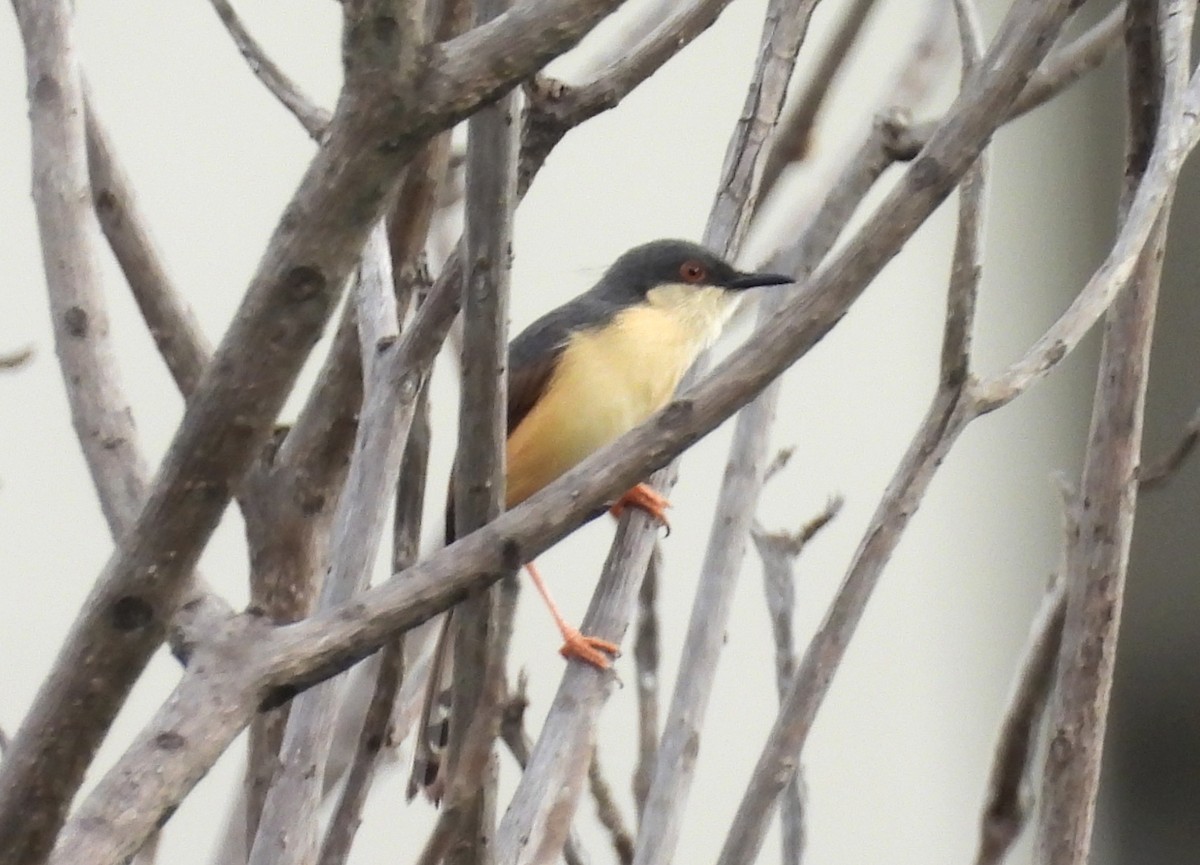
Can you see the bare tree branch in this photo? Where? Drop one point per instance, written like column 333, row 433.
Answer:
column 479, row 475
column 312, row 117
column 512, row 731
column 70, row 241
column 344, row 192
column 738, row 190
column 103, row 420
column 608, row 812
column 778, row 552
column 889, row 139
column 1158, row 51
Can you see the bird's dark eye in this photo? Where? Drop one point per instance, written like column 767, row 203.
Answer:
column 693, row 272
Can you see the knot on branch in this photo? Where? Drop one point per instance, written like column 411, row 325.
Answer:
column 545, row 121
column 900, row 141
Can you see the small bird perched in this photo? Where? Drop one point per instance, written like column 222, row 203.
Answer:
column 584, row 374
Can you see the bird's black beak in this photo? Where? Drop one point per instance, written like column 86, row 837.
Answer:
column 754, row 280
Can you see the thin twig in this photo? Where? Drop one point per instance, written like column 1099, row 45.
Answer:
column 1008, row 795
column 312, row 117
column 1157, row 472
column 778, row 552
column 739, row 187
column 1068, row 64
column 629, row 36
column 15, row 359
column 947, row 417
column 966, row 265
column 888, row 139
column 793, row 136
column 169, row 317
column 554, row 108
column 374, row 736
column 608, row 812
column 742, row 481
column 1007, row 799
column 646, row 679
column 778, row 463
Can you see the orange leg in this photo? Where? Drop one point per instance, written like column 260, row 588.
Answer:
column 646, row 498
column 590, row 650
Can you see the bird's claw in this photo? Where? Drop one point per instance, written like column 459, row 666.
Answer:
column 644, row 498
column 590, row 650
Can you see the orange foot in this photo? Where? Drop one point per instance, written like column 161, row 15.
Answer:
column 644, row 497
column 590, row 650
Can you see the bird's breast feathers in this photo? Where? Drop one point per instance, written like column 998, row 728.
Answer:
column 610, row 379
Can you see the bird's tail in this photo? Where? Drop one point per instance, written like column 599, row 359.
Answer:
column 433, row 728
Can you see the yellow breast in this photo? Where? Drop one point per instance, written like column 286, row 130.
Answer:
column 611, row 379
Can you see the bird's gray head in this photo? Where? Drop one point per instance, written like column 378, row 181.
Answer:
column 677, row 263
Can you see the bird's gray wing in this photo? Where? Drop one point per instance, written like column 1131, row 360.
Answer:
column 534, row 354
